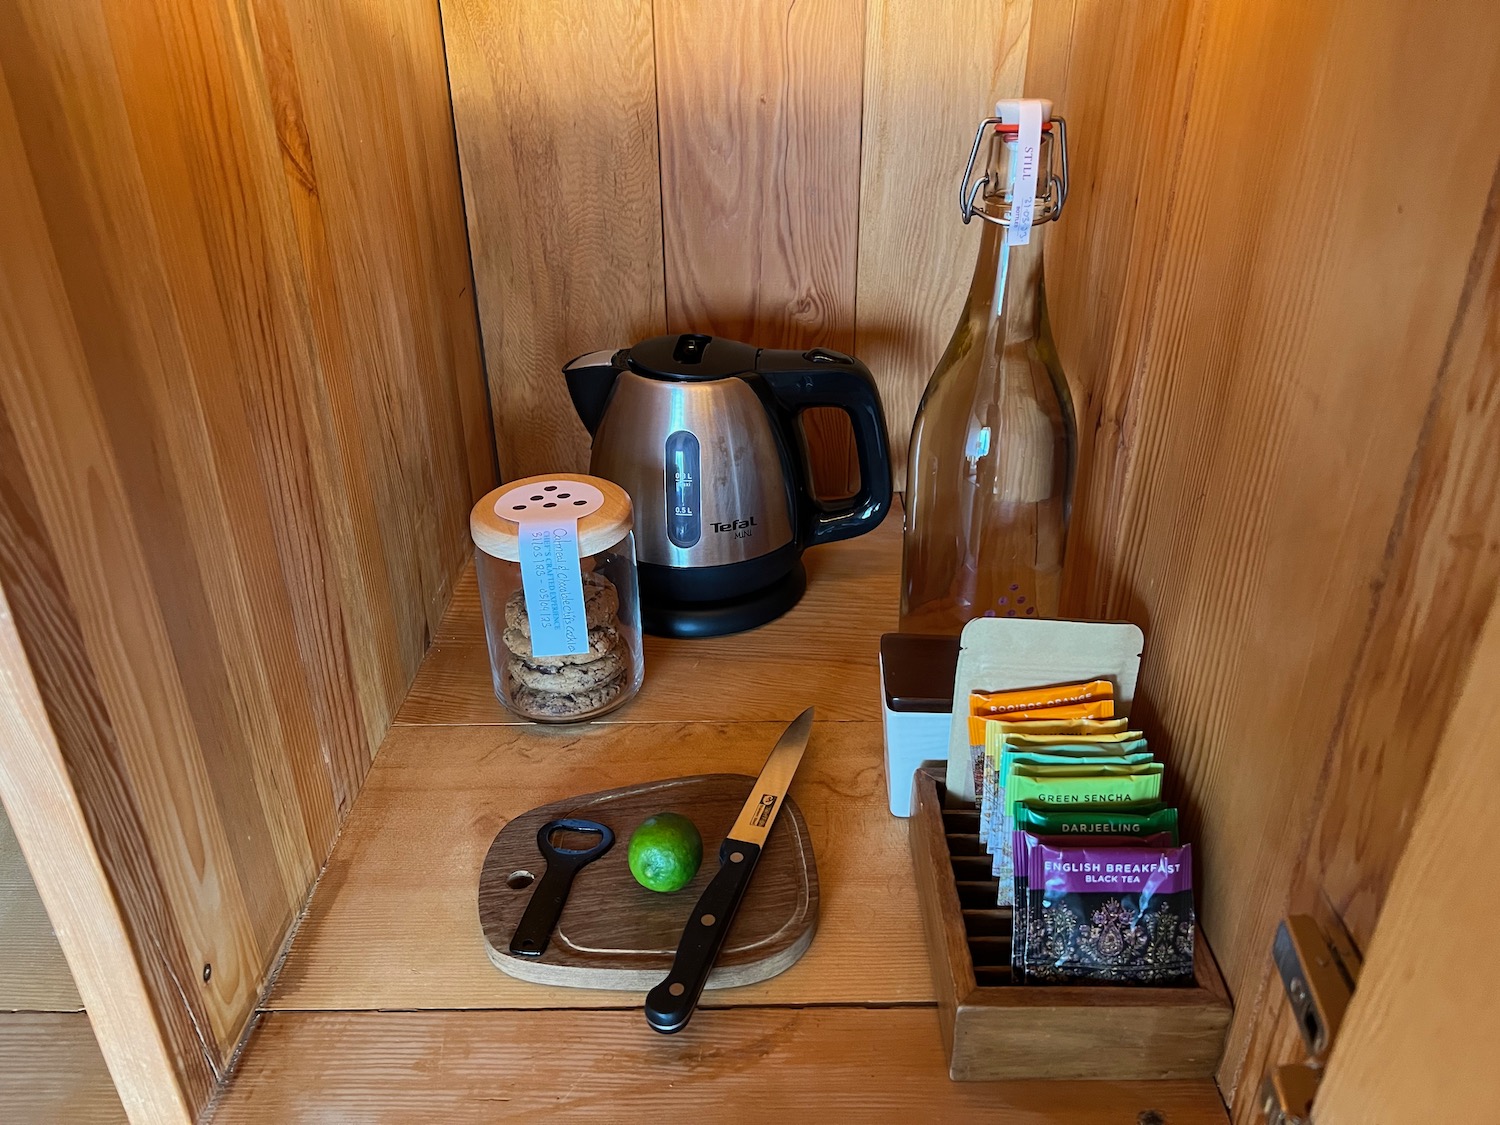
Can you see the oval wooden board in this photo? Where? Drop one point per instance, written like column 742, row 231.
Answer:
column 614, row 933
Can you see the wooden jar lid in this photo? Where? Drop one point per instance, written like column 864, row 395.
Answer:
column 601, row 527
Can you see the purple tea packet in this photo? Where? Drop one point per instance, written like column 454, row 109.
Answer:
column 1023, row 843
column 1117, row 915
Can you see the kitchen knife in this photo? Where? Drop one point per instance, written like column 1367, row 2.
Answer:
column 670, row 1004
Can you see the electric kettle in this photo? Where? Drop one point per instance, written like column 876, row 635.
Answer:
column 703, row 434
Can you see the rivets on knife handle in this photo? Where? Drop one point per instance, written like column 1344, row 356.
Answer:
column 708, row 919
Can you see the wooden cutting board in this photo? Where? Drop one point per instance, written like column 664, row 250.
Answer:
column 613, row 932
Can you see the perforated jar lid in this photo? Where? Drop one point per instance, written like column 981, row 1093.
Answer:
column 601, row 507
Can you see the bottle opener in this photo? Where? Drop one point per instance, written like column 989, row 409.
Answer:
column 551, row 894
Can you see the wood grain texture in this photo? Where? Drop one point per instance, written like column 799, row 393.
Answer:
column 34, row 974
column 403, row 876
column 1421, row 1035
column 557, row 132
column 876, row 1065
column 931, row 74
column 51, row 1072
column 831, row 638
column 156, row 1082
column 613, row 933
column 1264, row 389
column 1441, row 570
column 759, row 105
column 241, row 402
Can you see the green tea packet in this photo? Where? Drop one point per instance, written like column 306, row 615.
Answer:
column 1063, row 756
column 1143, row 820
column 1127, row 785
column 1078, row 737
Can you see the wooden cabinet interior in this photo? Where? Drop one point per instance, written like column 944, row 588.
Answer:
column 242, row 414
column 241, row 425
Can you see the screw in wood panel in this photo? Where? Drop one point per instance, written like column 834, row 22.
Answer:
column 208, row 971
column 519, row 880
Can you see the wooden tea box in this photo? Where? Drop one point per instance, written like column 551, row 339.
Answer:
column 995, row 1029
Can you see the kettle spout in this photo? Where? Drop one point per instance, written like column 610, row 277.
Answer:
column 590, row 380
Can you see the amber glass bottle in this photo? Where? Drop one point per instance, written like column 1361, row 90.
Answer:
column 993, row 451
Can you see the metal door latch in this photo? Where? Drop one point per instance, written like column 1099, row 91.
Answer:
column 1319, row 974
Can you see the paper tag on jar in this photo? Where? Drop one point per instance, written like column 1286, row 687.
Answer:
column 551, row 575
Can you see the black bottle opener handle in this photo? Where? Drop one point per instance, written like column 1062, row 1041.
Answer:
column 546, row 905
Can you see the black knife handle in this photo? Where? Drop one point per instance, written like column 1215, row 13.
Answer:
column 670, row 1004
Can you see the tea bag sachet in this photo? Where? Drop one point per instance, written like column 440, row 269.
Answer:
column 1003, row 737
column 1109, row 785
column 994, row 704
column 1071, row 755
column 1120, row 915
column 1127, row 821
column 984, row 736
column 1024, row 842
column 1092, row 700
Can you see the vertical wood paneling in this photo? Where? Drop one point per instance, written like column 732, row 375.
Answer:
column 1441, row 573
column 159, row 1069
column 556, row 118
column 243, row 424
column 760, row 147
column 1286, row 487
column 930, row 76
column 1421, row 1036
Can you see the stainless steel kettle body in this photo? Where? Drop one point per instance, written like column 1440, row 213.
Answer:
column 701, row 432
column 704, row 470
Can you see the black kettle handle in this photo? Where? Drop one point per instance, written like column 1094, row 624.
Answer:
column 820, row 377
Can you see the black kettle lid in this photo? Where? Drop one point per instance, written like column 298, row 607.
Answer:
column 690, row 356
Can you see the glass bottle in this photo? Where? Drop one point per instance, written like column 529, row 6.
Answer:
column 994, row 447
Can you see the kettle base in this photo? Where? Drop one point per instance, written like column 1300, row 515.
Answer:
column 732, row 615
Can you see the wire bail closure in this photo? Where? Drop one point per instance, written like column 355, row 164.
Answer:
column 1049, row 204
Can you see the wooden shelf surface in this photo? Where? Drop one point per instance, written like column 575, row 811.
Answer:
column 825, row 646
column 837, row 1064
column 34, row 975
column 394, row 922
column 51, row 1071
column 387, row 1008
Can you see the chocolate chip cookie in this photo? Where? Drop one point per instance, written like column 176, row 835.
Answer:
column 601, row 601
column 568, row 679
column 602, row 640
column 550, row 705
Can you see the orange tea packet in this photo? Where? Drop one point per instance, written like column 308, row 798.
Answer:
column 1011, row 704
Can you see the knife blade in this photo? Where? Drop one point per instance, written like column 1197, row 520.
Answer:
column 670, row 1004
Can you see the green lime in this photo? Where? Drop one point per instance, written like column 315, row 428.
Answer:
column 665, row 852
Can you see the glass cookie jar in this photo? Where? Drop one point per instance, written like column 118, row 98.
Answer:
column 555, row 560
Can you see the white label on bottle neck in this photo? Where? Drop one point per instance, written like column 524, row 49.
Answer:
column 1025, row 154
